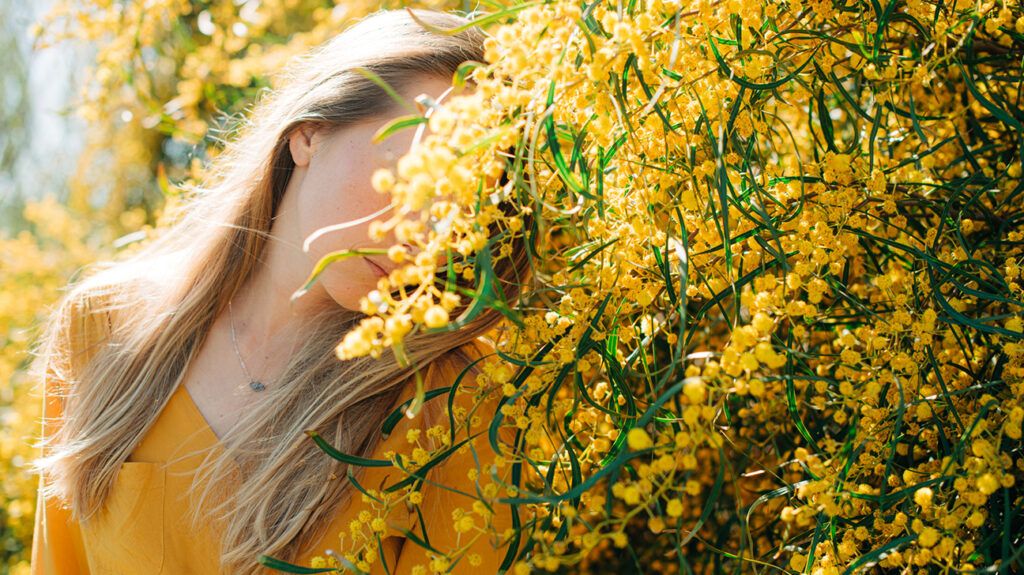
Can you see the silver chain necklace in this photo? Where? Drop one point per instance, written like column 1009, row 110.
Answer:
column 254, row 383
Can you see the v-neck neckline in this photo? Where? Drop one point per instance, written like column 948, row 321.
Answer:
column 197, row 415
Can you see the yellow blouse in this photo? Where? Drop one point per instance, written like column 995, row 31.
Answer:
column 142, row 528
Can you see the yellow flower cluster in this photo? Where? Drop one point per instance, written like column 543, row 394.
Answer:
column 779, row 298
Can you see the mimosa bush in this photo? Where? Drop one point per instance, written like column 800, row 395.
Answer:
column 775, row 318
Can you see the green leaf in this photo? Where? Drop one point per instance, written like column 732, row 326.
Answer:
column 397, row 124
column 328, row 260
column 421, row 472
column 826, row 122
column 395, row 416
column 876, row 554
column 463, row 71
column 556, row 151
column 996, row 110
column 487, row 294
column 373, row 77
column 286, row 567
column 487, row 19
column 350, row 459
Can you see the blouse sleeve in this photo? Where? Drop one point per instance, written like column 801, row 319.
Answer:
column 57, row 547
column 56, row 539
column 453, row 525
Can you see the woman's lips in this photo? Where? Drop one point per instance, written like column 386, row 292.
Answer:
column 376, row 268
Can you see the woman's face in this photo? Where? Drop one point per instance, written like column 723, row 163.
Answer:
column 332, row 181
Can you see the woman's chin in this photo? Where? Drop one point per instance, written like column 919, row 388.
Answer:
column 350, row 295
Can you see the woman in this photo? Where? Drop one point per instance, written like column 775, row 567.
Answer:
column 179, row 383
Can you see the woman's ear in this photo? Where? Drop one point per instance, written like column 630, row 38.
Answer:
column 301, row 144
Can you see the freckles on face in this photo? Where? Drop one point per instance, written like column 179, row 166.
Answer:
column 336, row 188
column 337, row 184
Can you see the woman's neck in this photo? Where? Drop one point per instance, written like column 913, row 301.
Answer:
column 266, row 320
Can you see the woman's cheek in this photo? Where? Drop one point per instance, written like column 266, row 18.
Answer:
column 348, row 280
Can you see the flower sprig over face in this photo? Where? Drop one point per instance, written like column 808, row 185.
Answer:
column 446, row 202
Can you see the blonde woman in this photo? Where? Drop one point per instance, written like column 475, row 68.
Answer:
column 180, row 382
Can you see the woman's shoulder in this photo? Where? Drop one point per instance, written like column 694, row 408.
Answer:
column 73, row 330
column 90, row 314
column 468, row 357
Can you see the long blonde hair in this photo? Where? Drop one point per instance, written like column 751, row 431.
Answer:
column 166, row 296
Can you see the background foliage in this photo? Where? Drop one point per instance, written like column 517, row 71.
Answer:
column 775, row 321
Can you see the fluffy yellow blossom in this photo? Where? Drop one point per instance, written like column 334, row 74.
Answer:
column 923, row 497
column 638, row 439
column 674, row 508
column 695, row 389
column 988, row 483
column 928, row 537
column 435, row 316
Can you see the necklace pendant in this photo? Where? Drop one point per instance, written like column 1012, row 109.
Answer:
column 256, row 385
